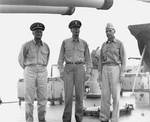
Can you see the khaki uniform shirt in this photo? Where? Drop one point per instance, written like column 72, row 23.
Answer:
column 112, row 53
column 33, row 54
column 75, row 51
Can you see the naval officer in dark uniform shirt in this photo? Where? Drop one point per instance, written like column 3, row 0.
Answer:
column 75, row 53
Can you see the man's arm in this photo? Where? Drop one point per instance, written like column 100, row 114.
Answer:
column 61, row 57
column 100, row 66
column 21, row 57
column 123, row 58
column 48, row 54
column 88, row 60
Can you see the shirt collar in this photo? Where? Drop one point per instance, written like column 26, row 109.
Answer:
column 40, row 43
column 109, row 41
column 77, row 40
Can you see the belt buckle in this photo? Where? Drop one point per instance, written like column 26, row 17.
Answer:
column 73, row 62
column 78, row 62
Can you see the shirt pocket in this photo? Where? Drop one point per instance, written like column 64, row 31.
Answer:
column 69, row 51
column 80, row 52
column 44, row 52
column 81, row 49
column 104, row 53
column 31, row 52
column 115, row 50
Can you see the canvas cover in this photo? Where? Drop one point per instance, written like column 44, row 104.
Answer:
column 142, row 34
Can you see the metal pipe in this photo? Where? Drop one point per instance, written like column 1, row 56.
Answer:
column 148, row 1
column 36, row 9
column 1, row 102
column 45, row 6
column 137, row 73
column 136, row 58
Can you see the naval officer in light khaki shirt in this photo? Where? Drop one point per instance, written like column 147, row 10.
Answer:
column 33, row 58
column 111, row 67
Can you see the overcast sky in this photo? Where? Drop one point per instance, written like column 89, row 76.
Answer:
column 14, row 30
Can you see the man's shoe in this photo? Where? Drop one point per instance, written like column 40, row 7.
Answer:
column 42, row 121
column 105, row 121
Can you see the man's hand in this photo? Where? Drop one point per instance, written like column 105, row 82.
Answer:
column 61, row 71
column 87, row 79
column 122, row 75
column 87, row 76
column 99, row 77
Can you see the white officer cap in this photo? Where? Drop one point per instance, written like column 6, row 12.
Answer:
column 110, row 26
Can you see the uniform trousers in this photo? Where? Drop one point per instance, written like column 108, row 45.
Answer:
column 110, row 86
column 35, row 78
column 74, row 76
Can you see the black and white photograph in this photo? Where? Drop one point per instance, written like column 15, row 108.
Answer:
column 75, row 61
